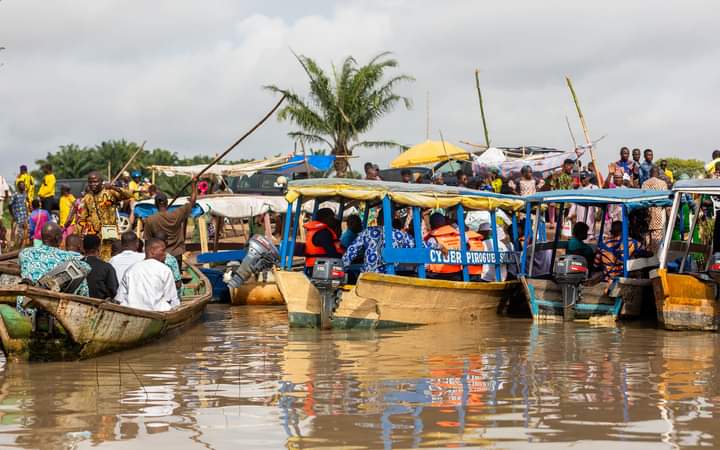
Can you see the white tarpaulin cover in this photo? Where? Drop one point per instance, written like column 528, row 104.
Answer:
column 541, row 164
column 224, row 169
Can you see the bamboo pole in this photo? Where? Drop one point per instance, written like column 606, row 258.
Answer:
column 229, row 149
column 127, row 164
column 572, row 135
column 583, row 124
column 482, row 108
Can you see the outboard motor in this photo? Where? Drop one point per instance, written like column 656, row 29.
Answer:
column 66, row 277
column 570, row 271
column 327, row 276
column 261, row 256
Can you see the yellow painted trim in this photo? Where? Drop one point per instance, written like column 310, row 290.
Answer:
column 428, row 283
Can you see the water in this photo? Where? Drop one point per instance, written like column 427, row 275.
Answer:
column 241, row 379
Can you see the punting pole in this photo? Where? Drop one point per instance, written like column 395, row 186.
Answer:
column 588, row 141
column 693, row 224
column 669, row 230
column 285, row 236
column 482, row 108
column 127, row 164
column 229, row 149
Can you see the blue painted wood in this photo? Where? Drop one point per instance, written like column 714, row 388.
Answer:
column 316, row 206
column 432, row 256
column 296, row 222
column 463, row 242
column 387, row 230
column 286, row 232
column 625, row 235
column 221, row 257
column 526, row 232
column 602, row 226
column 417, row 231
column 558, row 232
column 515, row 230
column 496, row 249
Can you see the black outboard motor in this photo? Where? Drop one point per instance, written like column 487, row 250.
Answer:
column 571, row 271
column 261, row 256
column 327, row 276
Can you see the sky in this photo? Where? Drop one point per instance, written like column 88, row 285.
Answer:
column 187, row 75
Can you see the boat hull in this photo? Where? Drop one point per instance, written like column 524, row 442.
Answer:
column 624, row 300
column 388, row 301
column 257, row 292
column 685, row 302
column 89, row 327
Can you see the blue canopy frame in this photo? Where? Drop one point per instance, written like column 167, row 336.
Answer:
column 420, row 255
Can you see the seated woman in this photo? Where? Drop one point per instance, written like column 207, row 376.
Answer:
column 370, row 242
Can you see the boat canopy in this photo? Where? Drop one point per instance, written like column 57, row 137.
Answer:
column 422, row 195
column 702, row 186
column 633, row 198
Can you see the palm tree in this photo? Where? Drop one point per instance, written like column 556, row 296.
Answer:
column 71, row 161
column 339, row 109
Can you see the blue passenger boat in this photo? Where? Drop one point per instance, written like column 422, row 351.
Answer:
column 549, row 295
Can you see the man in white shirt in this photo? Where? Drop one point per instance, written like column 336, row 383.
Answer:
column 128, row 256
column 149, row 284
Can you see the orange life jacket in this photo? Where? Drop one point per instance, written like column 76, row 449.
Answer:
column 311, row 250
column 449, row 238
column 475, row 244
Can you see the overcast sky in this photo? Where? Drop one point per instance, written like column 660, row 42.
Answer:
column 187, row 75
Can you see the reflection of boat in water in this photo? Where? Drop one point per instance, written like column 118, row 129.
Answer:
column 68, row 327
column 388, row 299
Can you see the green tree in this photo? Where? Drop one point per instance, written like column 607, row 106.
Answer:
column 342, row 106
column 689, row 167
column 70, row 161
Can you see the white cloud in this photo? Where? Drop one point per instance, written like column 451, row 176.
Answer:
column 187, row 75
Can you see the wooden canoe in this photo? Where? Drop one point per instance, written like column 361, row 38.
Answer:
column 685, row 301
column 624, row 300
column 383, row 301
column 87, row 327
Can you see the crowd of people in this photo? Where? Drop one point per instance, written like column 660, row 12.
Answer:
column 86, row 230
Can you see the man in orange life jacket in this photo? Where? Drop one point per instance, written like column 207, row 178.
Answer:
column 443, row 237
column 321, row 239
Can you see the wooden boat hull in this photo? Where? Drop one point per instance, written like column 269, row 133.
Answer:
column 624, row 300
column 383, row 301
column 257, row 292
column 89, row 327
column 685, row 302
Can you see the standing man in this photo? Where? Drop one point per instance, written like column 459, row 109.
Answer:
column 646, row 166
column 625, row 163
column 46, row 193
column 172, row 223
column 656, row 223
column 97, row 213
column 668, row 174
column 29, row 181
column 19, row 213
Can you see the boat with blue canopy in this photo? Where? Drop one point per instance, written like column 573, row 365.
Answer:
column 388, row 298
column 559, row 285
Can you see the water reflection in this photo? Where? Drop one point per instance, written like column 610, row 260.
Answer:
column 242, row 378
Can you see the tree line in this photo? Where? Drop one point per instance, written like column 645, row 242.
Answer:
column 73, row 161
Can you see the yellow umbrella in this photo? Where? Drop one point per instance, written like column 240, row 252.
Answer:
column 429, row 152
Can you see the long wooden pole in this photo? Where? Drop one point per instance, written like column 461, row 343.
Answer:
column 482, row 108
column 588, row 141
column 127, row 164
column 572, row 135
column 229, row 149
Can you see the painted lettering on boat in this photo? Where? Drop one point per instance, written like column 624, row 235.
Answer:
column 473, row 258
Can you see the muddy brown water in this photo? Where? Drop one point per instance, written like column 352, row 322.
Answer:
column 241, row 379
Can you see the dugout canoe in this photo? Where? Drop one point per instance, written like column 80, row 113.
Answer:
column 86, row 327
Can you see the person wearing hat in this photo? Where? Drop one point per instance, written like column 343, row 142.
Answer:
column 171, row 223
column 29, row 181
column 134, row 184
